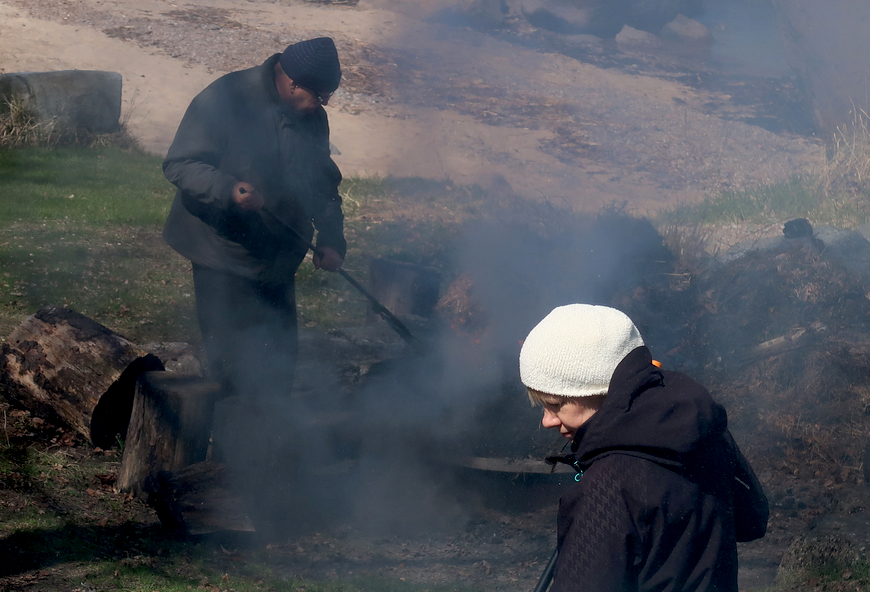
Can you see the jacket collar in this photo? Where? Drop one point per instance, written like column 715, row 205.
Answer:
column 632, row 376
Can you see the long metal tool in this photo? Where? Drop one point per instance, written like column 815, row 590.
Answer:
column 547, row 576
column 391, row 319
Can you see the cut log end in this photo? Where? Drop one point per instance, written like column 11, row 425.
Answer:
column 169, row 428
column 61, row 364
column 111, row 417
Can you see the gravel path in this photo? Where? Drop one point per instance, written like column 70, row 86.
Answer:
column 552, row 125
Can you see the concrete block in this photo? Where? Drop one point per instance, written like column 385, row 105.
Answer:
column 688, row 31
column 630, row 39
column 76, row 99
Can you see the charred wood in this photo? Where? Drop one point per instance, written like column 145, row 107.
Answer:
column 197, row 500
column 169, row 428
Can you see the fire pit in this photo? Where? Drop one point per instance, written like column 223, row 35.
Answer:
column 511, row 484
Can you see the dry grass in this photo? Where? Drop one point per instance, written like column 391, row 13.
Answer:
column 847, row 170
column 19, row 128
column 691, row 245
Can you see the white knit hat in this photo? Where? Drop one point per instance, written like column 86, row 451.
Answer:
column 575, row 349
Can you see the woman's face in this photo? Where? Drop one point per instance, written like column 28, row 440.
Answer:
column 565, row 414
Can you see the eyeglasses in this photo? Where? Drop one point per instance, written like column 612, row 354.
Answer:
column 323, row 98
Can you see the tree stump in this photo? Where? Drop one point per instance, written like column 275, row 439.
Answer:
column 61, row 364
column 196, row 500
column 169, row 428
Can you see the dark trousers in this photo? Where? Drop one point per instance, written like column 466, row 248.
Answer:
column 249, row 333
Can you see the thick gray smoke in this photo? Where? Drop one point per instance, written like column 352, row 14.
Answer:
column 417, row 413
column 382, row 460
column 382, row 457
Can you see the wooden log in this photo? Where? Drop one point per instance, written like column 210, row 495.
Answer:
column 197, row 500
column 797, row 339
column 169, row 428
column 59, row 363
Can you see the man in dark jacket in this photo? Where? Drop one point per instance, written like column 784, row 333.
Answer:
column 663, row 493
column 256, row 139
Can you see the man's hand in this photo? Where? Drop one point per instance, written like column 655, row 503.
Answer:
column 247, row 197
column 327, row 259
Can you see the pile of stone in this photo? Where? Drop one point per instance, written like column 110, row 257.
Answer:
column 633, row 23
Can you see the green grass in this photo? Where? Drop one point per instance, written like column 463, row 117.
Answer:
column 830, row 575
column 799, row 197
column 81, row 227
column 60, row 530
column 97, row 186
column 142, row 578
column 122, row 276
column 44, row 475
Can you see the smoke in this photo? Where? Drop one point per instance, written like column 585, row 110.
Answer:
column 416, row 415
column 379, row 453
column 746, row 38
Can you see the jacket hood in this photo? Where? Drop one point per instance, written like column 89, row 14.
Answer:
column 663, row 416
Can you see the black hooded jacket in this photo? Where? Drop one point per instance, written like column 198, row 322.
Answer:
column 663, row 492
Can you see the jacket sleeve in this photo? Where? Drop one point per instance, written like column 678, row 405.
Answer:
column 596, row 537
column 195, row 155
column 751, row 510
column 330, row 222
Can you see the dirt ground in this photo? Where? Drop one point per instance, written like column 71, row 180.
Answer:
column 512, row 111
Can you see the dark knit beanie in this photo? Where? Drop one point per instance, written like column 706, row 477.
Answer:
column 313, row 64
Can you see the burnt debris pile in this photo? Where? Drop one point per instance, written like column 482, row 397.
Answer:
column 777, row 330
column 509, row 272
column 780, row 336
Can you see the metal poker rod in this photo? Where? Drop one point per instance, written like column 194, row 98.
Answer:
column 391, row 319
column 547, row 575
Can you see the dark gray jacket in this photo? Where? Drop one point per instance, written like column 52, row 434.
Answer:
column 238, row 129
column 664, row 494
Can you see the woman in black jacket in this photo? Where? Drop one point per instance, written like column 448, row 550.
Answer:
column 663, row 493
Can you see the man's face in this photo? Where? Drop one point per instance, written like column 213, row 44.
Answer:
column 566, row 415
column 296, row 97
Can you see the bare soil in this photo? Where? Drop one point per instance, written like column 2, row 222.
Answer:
column 573, row 122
